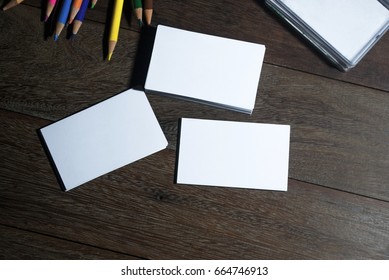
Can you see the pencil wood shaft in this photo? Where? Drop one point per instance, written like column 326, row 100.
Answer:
column 114, row 32
column 63, row 15
column 58, row 29
column 148, row 10
column 49, row 9
column 76, row 26
column 138, row 10
column 12, row 4
column 74, row 10
column 80, row 16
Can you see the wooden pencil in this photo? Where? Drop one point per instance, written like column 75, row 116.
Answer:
column 76, row 5
column 50, row 8
column 148, row 10
column 114, row 31
column 64, row 13
column 138, row 10
column 93, row 3
column 11, row 4
column 78, row 20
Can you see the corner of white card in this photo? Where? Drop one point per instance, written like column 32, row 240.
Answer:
column 102, row 138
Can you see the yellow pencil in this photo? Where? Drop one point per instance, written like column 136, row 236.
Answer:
column 11, row 4
column 114, row 32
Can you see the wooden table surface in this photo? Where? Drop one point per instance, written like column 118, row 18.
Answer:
column 337, row 203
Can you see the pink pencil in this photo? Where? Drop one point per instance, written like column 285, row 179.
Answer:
column 50, row 8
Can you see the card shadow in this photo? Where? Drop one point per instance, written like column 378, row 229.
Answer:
column 177, row 150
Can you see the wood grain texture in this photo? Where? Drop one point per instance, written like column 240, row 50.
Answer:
column 138, row 210
column 44, row 66
column 339, row 147
column 16, row 244
column 340, row 131
column 254, row 22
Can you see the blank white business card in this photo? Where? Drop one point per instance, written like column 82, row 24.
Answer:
column 102, row 138
column 208, row 69
column 233, row 154
column 349, row 26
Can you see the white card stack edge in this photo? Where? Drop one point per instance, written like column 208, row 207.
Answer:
column 208, row 69
column 343, row 30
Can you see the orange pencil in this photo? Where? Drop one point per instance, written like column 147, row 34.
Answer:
column 80, row 17
column 11, row 4
column 75, row 8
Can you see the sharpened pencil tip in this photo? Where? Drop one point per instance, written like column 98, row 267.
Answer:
column 93, row 5
column 46, row 18
column 56, row 37
column 109, row 56
column 140, row 22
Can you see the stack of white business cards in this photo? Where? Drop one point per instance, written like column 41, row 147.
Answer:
column 343, row 30
column 208, row 69
column 102, row 138
column 199, row 67
column 233, row 154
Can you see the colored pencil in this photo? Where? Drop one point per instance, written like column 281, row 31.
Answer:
column 80, row 17
column 11, row 4
column 50, row 8
column 115, row 25
column 148, row 9
column 62, row 19
column 76, row 5
column 93, row 3
column 137, row 5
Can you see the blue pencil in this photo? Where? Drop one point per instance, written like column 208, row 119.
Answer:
column 80, row 16
column 62, row 19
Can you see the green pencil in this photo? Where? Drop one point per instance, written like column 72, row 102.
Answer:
column 137, row 5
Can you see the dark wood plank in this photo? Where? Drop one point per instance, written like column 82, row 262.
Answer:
column 340, row 131
column 46, row 66
column 138, row 210
column 339, row 139
column 16, row 244
column 252, row 21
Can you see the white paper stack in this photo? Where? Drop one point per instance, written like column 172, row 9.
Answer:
column 102, row 138
column 343, row 30
column 208, row 69
column 233, row 154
